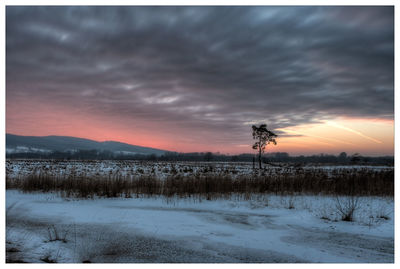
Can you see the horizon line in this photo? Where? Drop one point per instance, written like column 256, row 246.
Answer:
column 216, row 153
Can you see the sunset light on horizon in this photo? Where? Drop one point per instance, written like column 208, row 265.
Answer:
column 195, row 79
column 199, row 134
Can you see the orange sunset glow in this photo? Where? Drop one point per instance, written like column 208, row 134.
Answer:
column 199, row 134
column 160, row 78
column 365, row 136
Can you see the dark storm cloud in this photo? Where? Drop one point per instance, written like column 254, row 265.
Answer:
column 205, row 68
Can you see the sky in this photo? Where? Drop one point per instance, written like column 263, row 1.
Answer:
column 192, row 79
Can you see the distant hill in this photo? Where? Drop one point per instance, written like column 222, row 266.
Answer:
column 17, row 143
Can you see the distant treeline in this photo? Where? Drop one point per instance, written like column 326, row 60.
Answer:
column 277, row 157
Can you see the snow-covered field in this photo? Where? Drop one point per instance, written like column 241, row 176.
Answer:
column 47, row 228
column 22, row 168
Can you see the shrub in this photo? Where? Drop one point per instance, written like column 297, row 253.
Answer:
column 346, row 207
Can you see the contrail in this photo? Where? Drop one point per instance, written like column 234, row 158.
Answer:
column 334, row 124
column 316, row 136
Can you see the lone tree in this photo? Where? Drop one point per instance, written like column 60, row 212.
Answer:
column 263, row 137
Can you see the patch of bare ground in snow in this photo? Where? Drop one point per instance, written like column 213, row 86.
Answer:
column 136, row 248
column 365, row 248
column 104, row 244
column 251, row 255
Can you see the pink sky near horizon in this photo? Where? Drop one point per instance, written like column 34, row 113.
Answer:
column 183, row 79
column 371, row 136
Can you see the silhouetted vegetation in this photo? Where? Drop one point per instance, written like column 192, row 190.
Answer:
column 271, row 158
column 263, row 137
column 361, row 182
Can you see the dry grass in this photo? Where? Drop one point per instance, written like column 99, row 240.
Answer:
column 212, row 185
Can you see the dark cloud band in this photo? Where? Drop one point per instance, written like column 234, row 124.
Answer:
column 205, row 68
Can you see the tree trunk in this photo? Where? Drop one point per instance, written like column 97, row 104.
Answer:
column 259, row 158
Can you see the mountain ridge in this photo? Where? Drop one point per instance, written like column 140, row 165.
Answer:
column 19, row 143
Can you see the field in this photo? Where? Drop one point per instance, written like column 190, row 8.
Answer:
column 127, row 211
column 21, row 168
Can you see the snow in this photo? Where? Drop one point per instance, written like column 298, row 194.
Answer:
column 21, row 168
column 185, row 230
column 22, row 149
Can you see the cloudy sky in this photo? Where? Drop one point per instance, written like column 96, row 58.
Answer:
column 196, row 78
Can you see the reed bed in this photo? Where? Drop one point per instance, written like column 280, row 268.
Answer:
column 213, row 185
